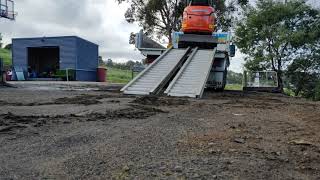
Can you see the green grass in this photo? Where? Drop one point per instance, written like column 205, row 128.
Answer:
column 119, row 75
column 6, row 56
column 288, row 92
column 234, row 87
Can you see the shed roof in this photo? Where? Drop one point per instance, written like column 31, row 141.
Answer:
column 54, row 37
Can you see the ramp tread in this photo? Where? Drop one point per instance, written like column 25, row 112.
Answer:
column 149, row 80
column 192, row 78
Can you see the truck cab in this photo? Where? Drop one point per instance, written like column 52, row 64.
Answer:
column 199, row 17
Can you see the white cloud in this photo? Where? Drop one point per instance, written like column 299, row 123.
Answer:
column 237, row 62
column 99, row 21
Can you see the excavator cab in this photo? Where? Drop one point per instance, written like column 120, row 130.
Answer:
column 199, row 17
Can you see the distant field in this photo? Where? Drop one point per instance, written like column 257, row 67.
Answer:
column 6, row 56
column 234, row 87
column 119, row 75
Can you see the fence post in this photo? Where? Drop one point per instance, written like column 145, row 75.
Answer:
column 1, row 71
column 67, row 74
column 245, row 79
column 267, row 79
column 132, row 74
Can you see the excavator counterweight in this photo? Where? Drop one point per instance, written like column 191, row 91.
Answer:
column 199, row 17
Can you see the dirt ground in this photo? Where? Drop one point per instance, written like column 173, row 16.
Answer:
column 101, row 134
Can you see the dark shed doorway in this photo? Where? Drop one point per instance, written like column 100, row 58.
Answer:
column 43, row 62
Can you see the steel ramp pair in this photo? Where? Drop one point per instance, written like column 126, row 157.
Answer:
column 157, row 75
column 190, row 81
column 192, row 77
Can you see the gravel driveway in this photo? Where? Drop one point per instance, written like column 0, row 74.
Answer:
column 92, row 134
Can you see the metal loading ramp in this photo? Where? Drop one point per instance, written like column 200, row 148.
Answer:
column 192, row 77
column 157, row 75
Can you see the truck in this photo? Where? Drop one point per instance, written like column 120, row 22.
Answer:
column 198, row 58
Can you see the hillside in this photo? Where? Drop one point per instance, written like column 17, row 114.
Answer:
column 6, row 56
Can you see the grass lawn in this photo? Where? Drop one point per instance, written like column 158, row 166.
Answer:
column 234, row 87
column 119, row 75
column 6, row 56
column 288, row 92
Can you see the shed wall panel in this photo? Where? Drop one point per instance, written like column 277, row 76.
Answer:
column 68, row 50
column 87, row 61
column 75, row 53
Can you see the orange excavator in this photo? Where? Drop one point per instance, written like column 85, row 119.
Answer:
column 199, row 17
column 198, row 58
column 198, row 25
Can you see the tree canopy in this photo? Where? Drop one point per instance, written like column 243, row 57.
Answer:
column 304, row 74
column 0, row 40
column 8, row 47
column 273, row 34
column 156, row 17
column 234, row 78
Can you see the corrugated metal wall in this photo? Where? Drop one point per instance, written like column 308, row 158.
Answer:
column 67, row 45
column 75, row 53
column 87, row 61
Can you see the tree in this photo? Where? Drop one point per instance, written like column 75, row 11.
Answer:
column 234, row 78
column 0, row 40
column 274, row 33
column 317, row 92
column 101, row 62
column 129, row 64
column 162, row 17
column 157, row 17
column 8, row 47
column 303, row 74
column 109, row 63
column 132, row 38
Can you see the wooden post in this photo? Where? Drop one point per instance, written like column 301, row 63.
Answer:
column 245, row 79
column 132, row 75
column 1, row 72
column 67, row 74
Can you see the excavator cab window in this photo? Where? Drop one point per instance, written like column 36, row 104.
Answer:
column 200, row 2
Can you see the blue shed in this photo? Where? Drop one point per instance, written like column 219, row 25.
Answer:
column 49, row 57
